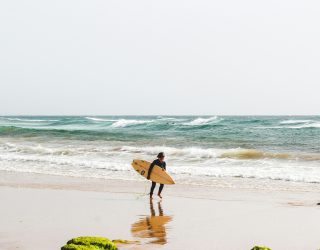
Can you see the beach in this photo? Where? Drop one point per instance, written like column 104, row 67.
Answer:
column 44, row 212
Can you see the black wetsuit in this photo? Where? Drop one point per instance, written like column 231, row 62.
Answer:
column 160, row 164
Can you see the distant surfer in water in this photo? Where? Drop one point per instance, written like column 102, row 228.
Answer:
column 161, row 163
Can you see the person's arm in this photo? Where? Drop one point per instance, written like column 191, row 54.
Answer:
column 150, row 169
column 165, row 166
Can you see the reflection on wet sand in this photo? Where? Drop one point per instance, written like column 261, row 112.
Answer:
column 152, row 227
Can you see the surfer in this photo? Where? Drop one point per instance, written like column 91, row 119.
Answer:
column 161, row 163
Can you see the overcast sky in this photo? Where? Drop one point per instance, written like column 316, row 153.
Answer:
column 159, row 57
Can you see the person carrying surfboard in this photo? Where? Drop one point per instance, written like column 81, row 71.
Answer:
column 161, row 163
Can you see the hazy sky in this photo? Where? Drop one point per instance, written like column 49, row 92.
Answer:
column 159, row 57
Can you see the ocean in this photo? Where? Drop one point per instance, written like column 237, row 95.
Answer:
column 198, row 149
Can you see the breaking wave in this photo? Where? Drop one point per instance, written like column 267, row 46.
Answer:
column 295, row 121
column 125, row 123
column 99, row 119
column 28, row 120
column 305, row 125
column 201, row 121
column 248, row 154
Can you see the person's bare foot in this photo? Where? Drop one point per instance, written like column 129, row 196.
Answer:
column 160, row 196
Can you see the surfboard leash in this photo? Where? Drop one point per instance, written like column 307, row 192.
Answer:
column 142, row 194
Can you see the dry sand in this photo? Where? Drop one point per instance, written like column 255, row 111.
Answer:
column 43, row 212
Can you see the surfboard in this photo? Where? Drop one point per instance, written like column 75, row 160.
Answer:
column 158, row 174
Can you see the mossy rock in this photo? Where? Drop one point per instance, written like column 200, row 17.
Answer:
column 89, row 243
column 261, row 248
column 79, row 247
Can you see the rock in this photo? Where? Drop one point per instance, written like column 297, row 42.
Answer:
column 89, row 243
column 261, row 248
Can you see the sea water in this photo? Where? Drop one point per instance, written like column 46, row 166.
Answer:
column 198, row 149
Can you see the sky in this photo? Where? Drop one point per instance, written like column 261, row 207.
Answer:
column 177, row 57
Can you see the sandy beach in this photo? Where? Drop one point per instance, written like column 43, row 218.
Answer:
column 43, row 212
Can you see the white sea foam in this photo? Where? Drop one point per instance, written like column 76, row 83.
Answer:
column 292, row 126
column 28, row 120
column 303, row 125
column 125, row 123
column 202, row 121
column 188, row 163
column 94, row 159
column 183, row 153
column 171, row 119
column 295, row 121
column 309, row 125
column 100, row 119
column 296, row 124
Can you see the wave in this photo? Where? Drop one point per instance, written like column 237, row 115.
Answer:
column 207, row 153
column 39, row 149
column 189, row 152
column 295, row 121
column 298, row 123
column 70, row 133
column 297, row 126
column 125, row 123
column 28, row 120
column 202, row 121
column 180, row 164
column 306, row 125
column 182, row 175
column 173, row 119
column 181, row 153
column 100, row 119
column 96, row 159
column 252, row 154
column 248, row 154
column 310, row 125
column 71, row 164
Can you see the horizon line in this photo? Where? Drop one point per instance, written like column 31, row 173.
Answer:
column 74, row 115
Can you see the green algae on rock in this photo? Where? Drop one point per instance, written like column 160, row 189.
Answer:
column 89, row 243
column 79, row 247
column 261, row 248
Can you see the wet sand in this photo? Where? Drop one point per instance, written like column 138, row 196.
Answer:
column 43, row 212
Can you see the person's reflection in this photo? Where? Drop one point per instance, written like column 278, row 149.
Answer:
column 153, row 226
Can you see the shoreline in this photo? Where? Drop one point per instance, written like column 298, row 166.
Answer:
column 47, row 211
column 47, row 181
